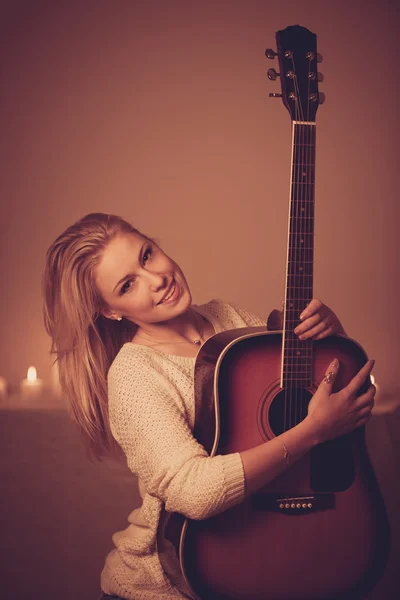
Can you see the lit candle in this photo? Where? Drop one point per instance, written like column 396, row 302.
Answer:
column 3, row 388
column 32, row 386
column 373, row 381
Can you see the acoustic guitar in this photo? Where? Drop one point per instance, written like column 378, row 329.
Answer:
column 319, row 531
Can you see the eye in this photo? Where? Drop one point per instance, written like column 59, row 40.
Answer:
column 126, row 286
column 147, row 254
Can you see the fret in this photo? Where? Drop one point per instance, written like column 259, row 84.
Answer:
column 298, row 375
column 309, row 183
column 302, row 359
column 295, row 287
column 299, row 364
column 296, row 382
column 293, row 384
column 295, row 373
column 298, row 256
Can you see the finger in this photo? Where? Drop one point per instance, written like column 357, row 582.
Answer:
column 312, row 331
column 366, row 399
column 360, row 377
column 365, row 412
column 363, row 421
column 330, row 375
column 311, row 308
column 324, row 334
column 307, row 324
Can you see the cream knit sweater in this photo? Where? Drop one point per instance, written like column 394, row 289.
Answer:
column 151, row 408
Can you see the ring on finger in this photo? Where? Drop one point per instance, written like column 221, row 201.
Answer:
column 329, row 377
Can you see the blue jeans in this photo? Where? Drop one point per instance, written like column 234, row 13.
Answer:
column 107, row 597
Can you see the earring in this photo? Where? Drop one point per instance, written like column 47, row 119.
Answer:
column 119, row 318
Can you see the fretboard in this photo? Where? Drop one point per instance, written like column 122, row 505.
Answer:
column 297, row 355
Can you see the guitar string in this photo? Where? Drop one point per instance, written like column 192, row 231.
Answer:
column 292, row 263
column 288, row 333
column 310, row 204
column 300, row 216
column 307, row 190
column 298, row 232
column 313, row 133
column 301, row 209
column 307, row 223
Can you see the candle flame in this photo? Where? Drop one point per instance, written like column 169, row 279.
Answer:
column 31, row 375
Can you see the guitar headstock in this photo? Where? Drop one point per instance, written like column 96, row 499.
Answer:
column 298, row 59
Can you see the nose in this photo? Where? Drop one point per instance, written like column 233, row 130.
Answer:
column 156, row 280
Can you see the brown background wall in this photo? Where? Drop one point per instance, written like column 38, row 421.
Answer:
column 159, row 112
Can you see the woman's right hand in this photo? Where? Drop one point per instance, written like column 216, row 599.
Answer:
column 335, row 414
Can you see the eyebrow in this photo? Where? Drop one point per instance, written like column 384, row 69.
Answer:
column 131, row 274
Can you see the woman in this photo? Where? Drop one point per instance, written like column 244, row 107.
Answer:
column 126, row 335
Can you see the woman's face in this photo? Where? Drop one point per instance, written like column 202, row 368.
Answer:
column 138, row 281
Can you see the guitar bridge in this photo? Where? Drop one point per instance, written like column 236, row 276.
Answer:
column 293, row 505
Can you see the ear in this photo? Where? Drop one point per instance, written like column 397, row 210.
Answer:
column 109, row 314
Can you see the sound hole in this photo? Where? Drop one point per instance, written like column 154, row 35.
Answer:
column 288, row 408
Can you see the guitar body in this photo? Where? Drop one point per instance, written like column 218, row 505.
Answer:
column 319, row 531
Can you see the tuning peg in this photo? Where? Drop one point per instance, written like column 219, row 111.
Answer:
column 275, row 95
column 272, row 74
column 321, row 97
column 320, row 58
column 320, row 77
column 269, row 53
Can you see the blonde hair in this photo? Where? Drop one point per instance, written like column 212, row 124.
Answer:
column 84, row 341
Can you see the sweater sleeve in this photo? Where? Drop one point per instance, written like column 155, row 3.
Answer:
column 149, row 421
column 249, row 319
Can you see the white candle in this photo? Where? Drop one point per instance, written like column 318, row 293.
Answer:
column 373, row 381
column 32, row 386
column 3, row 388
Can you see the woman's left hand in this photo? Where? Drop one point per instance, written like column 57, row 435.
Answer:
column 318, row 321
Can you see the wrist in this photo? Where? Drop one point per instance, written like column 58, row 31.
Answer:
column 313, row 430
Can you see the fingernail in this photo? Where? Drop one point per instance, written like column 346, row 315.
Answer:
column 302, row 316
column 373, row 361
column 335, row 363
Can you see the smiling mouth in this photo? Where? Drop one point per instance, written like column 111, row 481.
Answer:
column 169, row 294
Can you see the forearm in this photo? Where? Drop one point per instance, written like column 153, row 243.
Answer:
column 266, row 461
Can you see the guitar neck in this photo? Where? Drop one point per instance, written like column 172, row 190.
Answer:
column 297, row 354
